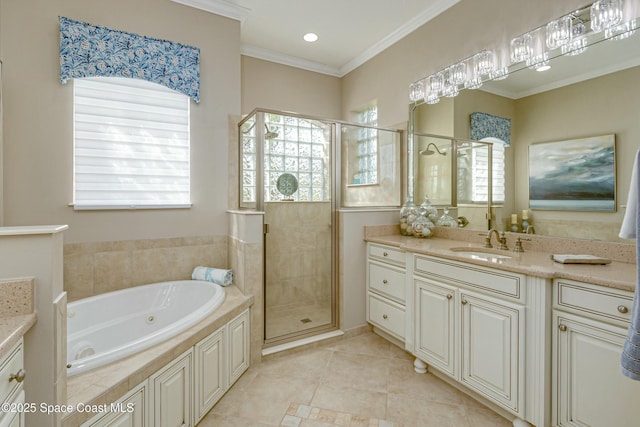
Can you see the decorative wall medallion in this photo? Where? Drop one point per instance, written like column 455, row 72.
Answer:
column 287, row 184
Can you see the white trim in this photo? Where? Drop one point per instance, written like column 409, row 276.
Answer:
column 219, row 7
column 128, row 207
column 292, row 61
column 32, row 229
column 412, row 25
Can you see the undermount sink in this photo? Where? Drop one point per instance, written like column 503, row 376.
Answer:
column 480, row 254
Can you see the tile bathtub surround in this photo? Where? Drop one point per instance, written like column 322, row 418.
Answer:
column 362, row 380
column 98, row 267
column 106, row 384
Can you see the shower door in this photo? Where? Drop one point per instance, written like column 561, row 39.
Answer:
column 294, row 189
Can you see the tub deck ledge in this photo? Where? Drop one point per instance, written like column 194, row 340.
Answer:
column 106, row 384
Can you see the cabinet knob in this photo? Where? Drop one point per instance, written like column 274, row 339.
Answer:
column 464, row 301
column 622, row 309
column 449, row 296
column 18, row 376
column 385, row 317
column 385, row 254
column 562, row 327
column 385, row 281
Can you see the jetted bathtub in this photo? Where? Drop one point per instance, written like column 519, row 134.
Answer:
column 108, row 327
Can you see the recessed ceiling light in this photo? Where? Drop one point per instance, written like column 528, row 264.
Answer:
column 310, row 37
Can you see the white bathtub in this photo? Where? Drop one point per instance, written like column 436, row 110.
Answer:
column 111, row 326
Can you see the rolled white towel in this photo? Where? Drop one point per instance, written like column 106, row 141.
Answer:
column 216, row 275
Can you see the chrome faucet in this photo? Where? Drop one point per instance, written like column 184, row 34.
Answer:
column 500, row 237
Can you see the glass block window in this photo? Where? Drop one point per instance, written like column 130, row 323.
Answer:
column 299, row 147
column 368, row 146
column 249, row 162
column 292, row 145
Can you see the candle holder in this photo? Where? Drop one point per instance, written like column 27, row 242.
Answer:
column 514, row 228
column 525, row 225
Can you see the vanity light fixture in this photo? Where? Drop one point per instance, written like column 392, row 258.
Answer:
column 622, row 31
column 310, row 37
column 605, row 14
column 568, row 35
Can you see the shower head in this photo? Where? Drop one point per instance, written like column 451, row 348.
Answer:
column 269, row 134
column 428, row 152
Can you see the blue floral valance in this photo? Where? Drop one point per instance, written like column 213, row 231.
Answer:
column 485, row 125
column 92, row 51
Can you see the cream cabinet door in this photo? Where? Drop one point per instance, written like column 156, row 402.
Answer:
column 435, row 325
column 129, row 411
column 15, row 418
column 589, row 389
column 171, row 393
column 211, row 372
column 492, row 348
column 238, row 336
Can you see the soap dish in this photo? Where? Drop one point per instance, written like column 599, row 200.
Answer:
column 579, row 259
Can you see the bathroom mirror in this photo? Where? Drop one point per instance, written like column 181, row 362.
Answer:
column 590, row 94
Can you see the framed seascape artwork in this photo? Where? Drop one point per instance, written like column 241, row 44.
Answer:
column 573, row 175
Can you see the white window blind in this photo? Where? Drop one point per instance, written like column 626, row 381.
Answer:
column 480, row 165
column 131, row 145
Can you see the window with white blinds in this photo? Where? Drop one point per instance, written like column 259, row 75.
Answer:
column 480, row 167
column 131, row 145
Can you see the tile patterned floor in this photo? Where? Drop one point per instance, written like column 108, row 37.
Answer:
column 359, row 381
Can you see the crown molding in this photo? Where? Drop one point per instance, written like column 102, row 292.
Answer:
column 219, row 7
column 292, row 61
column 412, row 25
column 234, row 11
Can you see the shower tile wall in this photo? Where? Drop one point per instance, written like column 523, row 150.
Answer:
column 98, row 267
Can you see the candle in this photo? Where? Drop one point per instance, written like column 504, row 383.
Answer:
column 514, row 218
column 525, row 214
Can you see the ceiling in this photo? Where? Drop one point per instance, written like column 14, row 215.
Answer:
column 350, row 31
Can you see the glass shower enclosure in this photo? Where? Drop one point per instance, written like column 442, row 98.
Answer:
column 286, row 171
column 298, row 170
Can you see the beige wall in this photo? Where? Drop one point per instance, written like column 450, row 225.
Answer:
column 602, row 106
column 38, row 125
column 280, row 87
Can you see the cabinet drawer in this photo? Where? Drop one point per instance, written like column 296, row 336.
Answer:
column 387, row 316
column 387, row 280
column 386, row 254
column 11, row 364
column 494, row 281
column 595, row 300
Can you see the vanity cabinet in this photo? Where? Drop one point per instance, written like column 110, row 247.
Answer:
column 469, row 324
column 589, row 328
column 386, row 289
column 11, row 386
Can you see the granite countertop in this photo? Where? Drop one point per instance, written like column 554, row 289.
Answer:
column 16, row 311
column 12, row 328
column 618, row 275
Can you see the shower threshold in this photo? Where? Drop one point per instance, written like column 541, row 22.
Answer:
column 301, row 342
